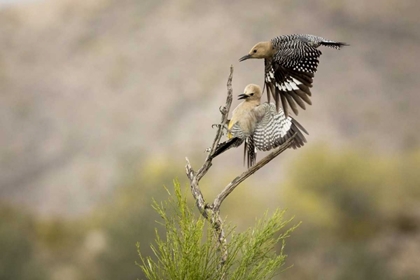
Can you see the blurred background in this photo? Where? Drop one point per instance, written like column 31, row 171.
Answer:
column 101, row 100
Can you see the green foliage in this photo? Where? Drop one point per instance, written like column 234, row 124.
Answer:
column 353, row 203
column 258, row 258
column 19, row 258
column 189, row 249
column 355, row 193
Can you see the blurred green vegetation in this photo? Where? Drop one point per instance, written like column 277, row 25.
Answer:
column 20, row 256
column 128, row 217
column 360, row 214
column 352, row 203
column 187, row 248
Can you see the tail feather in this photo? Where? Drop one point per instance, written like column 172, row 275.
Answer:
column 335, row 45
column 224, row 146
column 250, row 155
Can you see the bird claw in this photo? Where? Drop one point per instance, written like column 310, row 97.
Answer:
column 224, row 127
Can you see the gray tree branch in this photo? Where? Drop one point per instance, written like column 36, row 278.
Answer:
column 235, row 182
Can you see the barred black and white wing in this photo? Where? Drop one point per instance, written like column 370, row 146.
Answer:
column 289, row 74
column 288, row 86
column 274, row 128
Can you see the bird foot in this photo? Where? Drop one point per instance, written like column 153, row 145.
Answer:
column 224, row 127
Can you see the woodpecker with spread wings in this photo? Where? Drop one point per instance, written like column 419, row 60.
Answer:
column 259, row 127
column 290, row 64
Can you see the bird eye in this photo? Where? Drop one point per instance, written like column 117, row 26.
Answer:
column 251, row 94
column 255, row 51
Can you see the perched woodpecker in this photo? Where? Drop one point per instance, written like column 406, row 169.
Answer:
column 290, row 64
column 260, row 126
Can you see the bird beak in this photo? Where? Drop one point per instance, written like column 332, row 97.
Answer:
column 245, row 57
column 242, row 96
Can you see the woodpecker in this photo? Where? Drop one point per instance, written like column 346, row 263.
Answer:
column 290, row 64
column 259, row 126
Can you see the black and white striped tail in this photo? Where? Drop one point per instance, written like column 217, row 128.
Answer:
column 250, row 153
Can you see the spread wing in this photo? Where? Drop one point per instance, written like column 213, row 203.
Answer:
column 289, row 74
column 274, row 128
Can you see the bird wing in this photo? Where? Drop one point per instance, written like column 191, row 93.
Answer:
column 235, row 130
column 274, row 128
column 289, row 74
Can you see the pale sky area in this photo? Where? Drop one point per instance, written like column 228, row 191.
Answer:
column 11, row 2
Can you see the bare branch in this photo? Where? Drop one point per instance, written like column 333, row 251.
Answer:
column 195, row 190
column 206, row 211
column 235, row 182
column 225, row 113
column 221, row 238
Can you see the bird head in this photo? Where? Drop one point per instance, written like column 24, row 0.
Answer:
column 251, row 92
column 260, row 50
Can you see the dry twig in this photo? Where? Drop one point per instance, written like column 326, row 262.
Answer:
column 235, row 182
